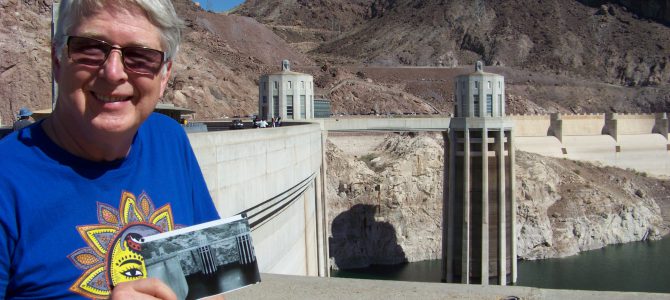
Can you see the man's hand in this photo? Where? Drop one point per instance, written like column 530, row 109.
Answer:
column 147, row 288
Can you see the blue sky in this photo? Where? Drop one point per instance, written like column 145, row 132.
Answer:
column 219, row 5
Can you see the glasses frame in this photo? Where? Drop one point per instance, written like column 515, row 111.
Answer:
column 122, row 51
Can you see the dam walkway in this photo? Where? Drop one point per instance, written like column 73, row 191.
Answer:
column 282, row 287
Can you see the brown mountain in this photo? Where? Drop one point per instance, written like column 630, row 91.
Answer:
column 569, row 56
column 387, row 56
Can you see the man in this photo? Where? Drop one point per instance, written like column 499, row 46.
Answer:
column 24, row 119
column 102, row 167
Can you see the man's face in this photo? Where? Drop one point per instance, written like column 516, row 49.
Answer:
column 109, row 99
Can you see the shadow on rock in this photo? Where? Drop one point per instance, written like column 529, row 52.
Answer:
column 359, row 240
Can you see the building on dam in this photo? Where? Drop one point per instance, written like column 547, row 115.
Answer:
column 286, row 94
column 479, row 242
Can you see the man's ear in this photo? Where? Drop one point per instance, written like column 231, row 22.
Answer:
column 166, row 77
column 55, row 63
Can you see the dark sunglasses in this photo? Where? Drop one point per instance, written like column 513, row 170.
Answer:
column 92, row 52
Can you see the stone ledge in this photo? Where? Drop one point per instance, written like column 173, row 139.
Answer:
column 276, row 286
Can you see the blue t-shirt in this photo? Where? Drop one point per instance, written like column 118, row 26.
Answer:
column 65, row 221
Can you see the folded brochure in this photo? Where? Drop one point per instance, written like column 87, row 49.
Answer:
column 203, row 260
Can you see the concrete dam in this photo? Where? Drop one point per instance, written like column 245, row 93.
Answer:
column 277, row 175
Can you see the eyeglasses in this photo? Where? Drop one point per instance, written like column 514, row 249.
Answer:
column 92, row 52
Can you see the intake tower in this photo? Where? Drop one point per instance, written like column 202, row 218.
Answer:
column 479, row 241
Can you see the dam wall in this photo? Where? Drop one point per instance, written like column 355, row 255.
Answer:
column 612, row 124
column 385, row 124
column 634, row 123
column 275, row 176
column 532, row 125
column 627, row 141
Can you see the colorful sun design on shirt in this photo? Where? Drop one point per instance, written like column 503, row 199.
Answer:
column 112, row 254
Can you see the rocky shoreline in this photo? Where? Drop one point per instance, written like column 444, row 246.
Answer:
column 385, row 206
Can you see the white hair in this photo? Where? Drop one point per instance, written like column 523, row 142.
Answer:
column 159, row 12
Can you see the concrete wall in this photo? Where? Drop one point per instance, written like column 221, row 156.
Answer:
column 635, row 123
column 560, row 125
column 635, row 141
column 382, row 123
column 531, row 125
column 271, row 175
column 592, row 124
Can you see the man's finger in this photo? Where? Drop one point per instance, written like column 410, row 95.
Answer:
column 148, row 288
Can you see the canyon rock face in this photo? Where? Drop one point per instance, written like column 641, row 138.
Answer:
column 619, row 43
column 385, row 207
column 565, row 207
column 587, row 56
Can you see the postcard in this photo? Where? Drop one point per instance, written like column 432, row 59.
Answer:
column 203, row 260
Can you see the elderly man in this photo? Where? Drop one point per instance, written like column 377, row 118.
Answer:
column 102, row 169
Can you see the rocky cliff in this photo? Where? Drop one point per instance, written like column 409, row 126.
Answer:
column 385, row 206
column 614, row 42
column 565, row 207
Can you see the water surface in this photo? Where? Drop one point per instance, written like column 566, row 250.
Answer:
column 639, row 266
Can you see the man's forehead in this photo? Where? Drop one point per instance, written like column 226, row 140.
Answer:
column 129, row 21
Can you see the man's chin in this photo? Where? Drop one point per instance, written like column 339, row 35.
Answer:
column 114, row 127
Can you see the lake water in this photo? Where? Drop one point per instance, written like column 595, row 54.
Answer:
column 639, row 266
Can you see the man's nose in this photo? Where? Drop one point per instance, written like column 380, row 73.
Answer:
column 113, row 69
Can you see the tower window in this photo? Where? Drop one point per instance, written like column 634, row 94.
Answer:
column 464, row 109
column 303, row 106
column 500, row 105
column 275, row 105
column 476, row 105
column 289, row 106
column 489, row 105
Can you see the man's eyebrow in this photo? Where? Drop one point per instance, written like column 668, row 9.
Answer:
column 98, row 36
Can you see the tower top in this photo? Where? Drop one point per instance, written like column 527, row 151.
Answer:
column 480, row 94
column 285, row 65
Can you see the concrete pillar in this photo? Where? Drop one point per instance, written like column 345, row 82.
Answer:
column 661, row 127
column 502, row 228
column 321, row 212
column 449, row 182
column 465, row 256
column 556, row 124
column 485, row 207
column 513, row 203
column 309, row 261
column 612, row 129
